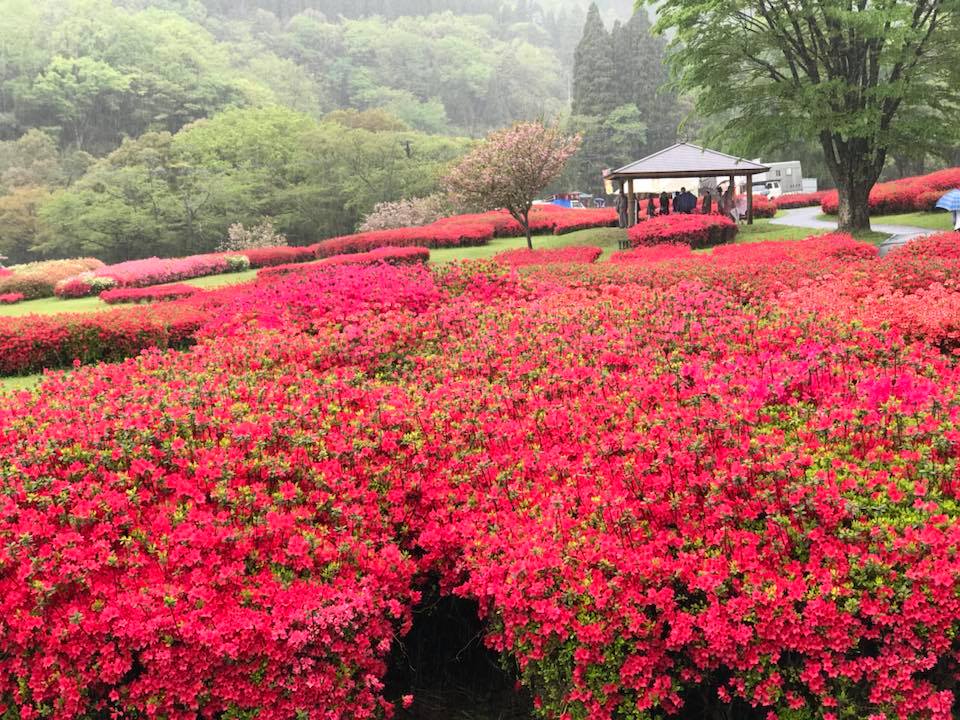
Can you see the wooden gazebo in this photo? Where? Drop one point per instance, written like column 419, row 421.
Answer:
column 684, row 160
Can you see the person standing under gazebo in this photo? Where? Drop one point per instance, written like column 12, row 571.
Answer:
column 664, row 203
column 707, row 205
column 651, row 206
column 621, row 205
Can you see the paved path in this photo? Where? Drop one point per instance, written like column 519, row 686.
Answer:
column 807, row 218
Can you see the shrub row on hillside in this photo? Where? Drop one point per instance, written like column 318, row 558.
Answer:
column 39, row 279
column 470, row 230
column 33, row 343
column 797, row 200
column 154, row 293
column 150, row 271
column 909, row 194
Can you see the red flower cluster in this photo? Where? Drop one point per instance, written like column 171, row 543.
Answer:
column 545, row 256
column 671, row 484
column 34, row 343
column 652, row 253
column 764, row 208
column 38, row 279
column 390, row 255
column 5, row 272
column 797, row 200
column 148, row 294
column 10, row 298
column 697, row 231
column 281, row 255
column 469, row 230
column 908, row 194
column 151, row 271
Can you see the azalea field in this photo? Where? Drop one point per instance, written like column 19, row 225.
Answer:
column 666, row 484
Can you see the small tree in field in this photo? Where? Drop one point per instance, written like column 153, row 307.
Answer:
column 510, row 167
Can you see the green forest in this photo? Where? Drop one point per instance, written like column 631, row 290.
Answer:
column 131, row 128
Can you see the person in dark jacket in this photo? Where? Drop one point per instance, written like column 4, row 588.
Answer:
column 651, row 206
column 664, row 203
column 707, row 205
column 621, row 205
column 675, row 207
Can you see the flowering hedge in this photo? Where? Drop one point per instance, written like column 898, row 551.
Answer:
column 680, row 484
column 653, row 253
column 470, row 230
column 281, row 255
column 148, row 294
column 909, row 194
column 797, row 200
column 544, row 256
column 10, row 298
column 389, row 255
column 151, row 271
column 763, row 207
column 697, row 231
column 35, row 342
column 39, row 279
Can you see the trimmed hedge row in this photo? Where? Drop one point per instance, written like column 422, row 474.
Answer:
column 697, row 231
column 910, row 194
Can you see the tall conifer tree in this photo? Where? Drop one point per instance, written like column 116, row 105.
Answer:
column 594, row 92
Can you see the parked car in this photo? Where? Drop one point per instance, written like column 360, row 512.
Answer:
column 770, row 189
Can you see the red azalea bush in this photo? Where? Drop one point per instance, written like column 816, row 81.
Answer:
column 697, row 231
column 652, row 253
column 909, row 194
column 763, row 207
column 390, row 255
column 429, row 236
column 5, row 272
column 797, row 200
column 469, row 230
column 280, row 255
column 34, row 342
column 665, row 494
column 151, row 271
column 39, row 279
column 148, row 294
column 10, row 298
column 545, row 256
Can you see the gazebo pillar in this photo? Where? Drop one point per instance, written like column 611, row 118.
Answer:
column 631, row 205
column 749, row 199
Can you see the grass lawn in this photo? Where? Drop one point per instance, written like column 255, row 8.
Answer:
column 53, row 305
column 25, row 382
column 929, row 220
column 763, row 229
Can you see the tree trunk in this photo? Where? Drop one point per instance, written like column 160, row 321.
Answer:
column 526, row 228
column 855, row 165
column 854, row 208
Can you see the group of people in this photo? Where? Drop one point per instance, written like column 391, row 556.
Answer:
column 685, row 202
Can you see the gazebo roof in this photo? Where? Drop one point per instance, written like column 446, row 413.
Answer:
column 686, row 160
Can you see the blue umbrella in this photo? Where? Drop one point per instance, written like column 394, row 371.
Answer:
column 950, row 201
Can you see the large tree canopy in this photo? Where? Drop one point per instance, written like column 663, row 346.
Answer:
column 864, row 79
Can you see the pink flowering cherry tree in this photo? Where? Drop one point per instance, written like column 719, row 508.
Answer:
column 510, row 167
